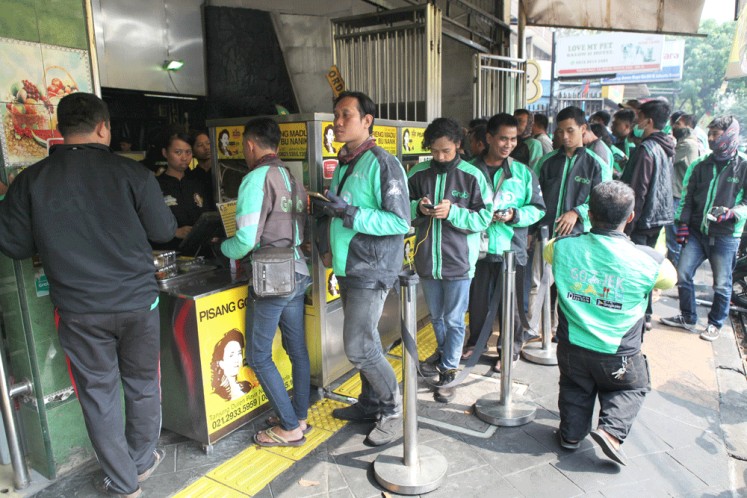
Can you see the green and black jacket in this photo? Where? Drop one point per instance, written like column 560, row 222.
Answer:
column 566, row 184
column 367, row 242
column 603, row 282
column 520, row 191
column 708, row 185
column 448, row 249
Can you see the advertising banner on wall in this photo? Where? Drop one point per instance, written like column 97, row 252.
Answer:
column 671, row 67
column 608, row 53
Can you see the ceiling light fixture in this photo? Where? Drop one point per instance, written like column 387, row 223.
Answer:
column 173, row 64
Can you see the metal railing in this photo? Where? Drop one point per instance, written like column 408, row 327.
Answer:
column 395, row 58
column 499, row 84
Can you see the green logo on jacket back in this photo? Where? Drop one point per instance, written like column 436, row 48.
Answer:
column 457, row 194
column 581, row 179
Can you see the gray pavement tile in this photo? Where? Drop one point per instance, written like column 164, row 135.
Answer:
column 190, row 454
column 668, row 474
column 649, row 488
column 673, row 432
column 355, row 464
column 340, row 493
column 725, row 351
column 705, row 463
column 309, row 477
column 460, row 455
column 643, row 441
column 733, row 406
column 543, row 480
column 168, row 484
column 683, row 410
column 510, row 450
column 592, row 471
column 475, row 483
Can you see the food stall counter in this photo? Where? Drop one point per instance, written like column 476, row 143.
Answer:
column 207, row 391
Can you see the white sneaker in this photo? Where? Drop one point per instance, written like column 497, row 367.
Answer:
column 710, row 333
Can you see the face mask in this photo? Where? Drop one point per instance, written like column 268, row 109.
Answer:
column 637, row 131
column 725, row 146
column 678, row 133
column 444, row 165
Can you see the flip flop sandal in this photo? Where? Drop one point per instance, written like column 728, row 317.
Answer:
column 276, row 440
column 467, row 353
column 273, row 421
column 612, row 453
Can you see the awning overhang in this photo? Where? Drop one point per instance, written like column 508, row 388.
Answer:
column 674, row 17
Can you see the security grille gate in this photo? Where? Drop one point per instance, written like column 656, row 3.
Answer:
column 500, row 83
column 395, row 58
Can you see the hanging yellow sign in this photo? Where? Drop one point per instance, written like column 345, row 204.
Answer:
column 334, row 78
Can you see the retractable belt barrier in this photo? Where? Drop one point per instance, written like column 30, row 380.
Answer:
column 408, row 468
column 543, row 295
column 502, row 409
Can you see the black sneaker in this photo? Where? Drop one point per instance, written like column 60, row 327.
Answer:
column 445, row 394
column 386, row 430
column 354, row 413
column 679, row 322
column 429, row 367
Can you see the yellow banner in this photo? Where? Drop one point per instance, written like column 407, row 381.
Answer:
column 330, row 147
column 412, row 141
column 231, row 389
column 293, row 141
column 409, row 252
column 386, row 138
column 229, row 142
column 227, row 211
column 333, row 288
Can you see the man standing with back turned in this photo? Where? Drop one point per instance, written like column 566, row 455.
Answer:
column 370, row 210
column 89, row 214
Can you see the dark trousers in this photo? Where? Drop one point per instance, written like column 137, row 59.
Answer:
column 107, row 350
column 647, row 238
column 620, row 382
column 487, row 281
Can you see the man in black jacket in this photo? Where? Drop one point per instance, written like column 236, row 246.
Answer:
column 649, row 174
column 89, row 214
column 710, row 220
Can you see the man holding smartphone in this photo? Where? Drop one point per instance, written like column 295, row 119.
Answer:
column 518, row 204
column 448, row 240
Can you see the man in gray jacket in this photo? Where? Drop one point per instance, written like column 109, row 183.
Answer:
column 686, row 151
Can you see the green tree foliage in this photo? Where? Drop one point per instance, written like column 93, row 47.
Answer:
column 700, row 90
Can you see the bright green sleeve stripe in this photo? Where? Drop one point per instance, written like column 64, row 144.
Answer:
column 248, row 215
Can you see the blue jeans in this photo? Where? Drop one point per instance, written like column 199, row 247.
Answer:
column 263, row 316
column 362, row 310
column 447, row 302
column 673, row 247
column 721, row 252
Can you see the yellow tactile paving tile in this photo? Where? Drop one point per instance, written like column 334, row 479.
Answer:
column 208, row 488
column 251, row 470
column 320, row 415
column 313, row 439
column 426, row 344
column 352, row 387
